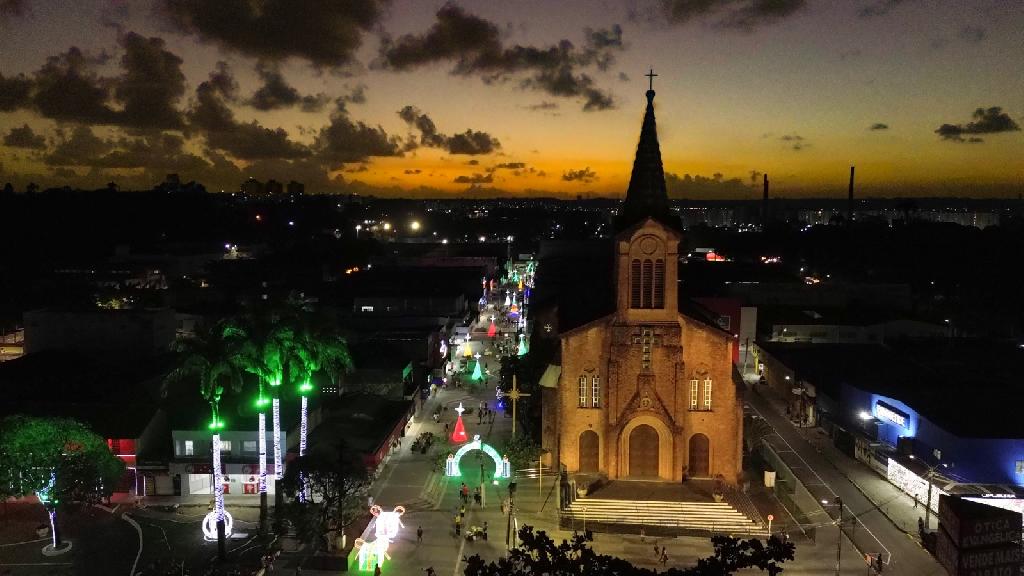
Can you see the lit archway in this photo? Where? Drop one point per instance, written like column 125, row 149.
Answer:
column 502, row 467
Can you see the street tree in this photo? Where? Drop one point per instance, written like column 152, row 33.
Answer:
column 336, row 480
column 537, row 553
column 59, row 460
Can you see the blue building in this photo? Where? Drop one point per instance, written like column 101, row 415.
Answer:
column 951, row 406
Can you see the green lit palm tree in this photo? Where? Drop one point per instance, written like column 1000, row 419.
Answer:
column 209, row 359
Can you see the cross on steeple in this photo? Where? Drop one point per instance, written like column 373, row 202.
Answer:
column 650, row 76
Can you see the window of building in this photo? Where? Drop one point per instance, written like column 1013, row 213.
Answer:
column 595, row 398
column 694, row 385
column 583, row 391
column 707, row 394
column 225, row 445
column 634, row 284
column 190, row 448
column 646, row 335
column 248, row 446
column 659, row 284
column 648, row 278
column 366, row 308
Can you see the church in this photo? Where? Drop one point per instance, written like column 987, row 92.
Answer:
column 646, row 391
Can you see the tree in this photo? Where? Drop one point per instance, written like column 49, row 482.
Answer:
column 522, row 451
column 537, row 553
column 210, row 359
column 58, row 459
column 337, row 481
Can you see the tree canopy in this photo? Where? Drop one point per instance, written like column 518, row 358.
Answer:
column 35, row 451
column 537, row 553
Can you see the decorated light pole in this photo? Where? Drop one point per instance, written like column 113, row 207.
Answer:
column 304, row 391
column 261, row 407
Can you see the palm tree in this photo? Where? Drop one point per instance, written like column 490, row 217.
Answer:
column 209, row 357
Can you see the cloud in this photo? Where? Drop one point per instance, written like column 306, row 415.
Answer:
column 697, row 186
column 583, row 175
column 878, row 126
column 878, row 8
column 409, row 171
column 326, row 34
column 15, row 92
column 986, row 121
column 795, row 141
column 474, row 179
column 24, row 137
column 344, row 141
column 210, row 115
column 508, row 166
column 276, row 93
column 971, row 34
column 66, row 89
column 79, row 148
column 11, row 8
column 475, row 47
column 543, row 106
column 151, row 86
column 735, row 14
column 472, row 162
column 470, row 142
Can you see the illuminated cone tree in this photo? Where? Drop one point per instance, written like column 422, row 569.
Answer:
column 492, row 330
column 477, row 372
column 459, row 433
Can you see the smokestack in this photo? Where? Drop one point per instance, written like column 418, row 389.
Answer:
column 766, row 187
column 764, row 203
column 849, row 198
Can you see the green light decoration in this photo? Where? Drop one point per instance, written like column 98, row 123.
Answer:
column 477, row 373
column 502, row 467
column 276, row 381
column 262, row 402
column 522, row 345
column 216, row 424
column 306, row 387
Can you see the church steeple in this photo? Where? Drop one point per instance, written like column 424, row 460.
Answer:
column 646, row 195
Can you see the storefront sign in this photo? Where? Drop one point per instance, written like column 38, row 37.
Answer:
column 890, row 414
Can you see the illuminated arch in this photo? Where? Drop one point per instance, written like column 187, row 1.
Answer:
column 502, row 467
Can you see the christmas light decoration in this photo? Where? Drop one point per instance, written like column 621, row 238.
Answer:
column 508, row 300
column 278, row 465
column 459, row 433
column 263, row 452
column 502, row 466
column 477, row 372
column 302, row 445
column 386, row 526
column 467, row 350
column 522, row 345
column 444, row 349
column 492, row 330
column 219, row 514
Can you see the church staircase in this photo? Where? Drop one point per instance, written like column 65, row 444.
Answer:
column 656, row 517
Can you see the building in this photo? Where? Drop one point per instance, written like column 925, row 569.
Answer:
column 273, row 187
column 146, row 331
column 295, row 188
column 646, row 391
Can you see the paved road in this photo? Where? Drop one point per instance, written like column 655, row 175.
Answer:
column 873, row 529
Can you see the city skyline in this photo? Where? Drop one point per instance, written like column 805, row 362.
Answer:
column 406, row 98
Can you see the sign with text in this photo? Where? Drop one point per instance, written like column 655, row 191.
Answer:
column 891, row 414
column 976, row 525
column 993, row 561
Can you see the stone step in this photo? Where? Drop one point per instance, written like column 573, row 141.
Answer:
column 706, row 516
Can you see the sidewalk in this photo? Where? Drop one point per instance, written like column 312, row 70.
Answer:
column 899, row 507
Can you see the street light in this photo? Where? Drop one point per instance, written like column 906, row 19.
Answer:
column 839, row 540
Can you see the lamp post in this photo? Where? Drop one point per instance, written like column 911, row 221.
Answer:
column 839, row 540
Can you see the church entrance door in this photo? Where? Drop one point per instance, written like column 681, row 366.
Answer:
column 699, row 456
column 643, row 452
column 588, row 451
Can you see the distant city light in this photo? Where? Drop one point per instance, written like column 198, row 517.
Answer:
column 864, row 415
column 414, row 225
column 387, row 226
column 291, row 222
column 483, row 238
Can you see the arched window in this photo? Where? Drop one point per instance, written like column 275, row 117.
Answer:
column 707, row 394
column 634, row 284
column 583, row 391
column 648, row 276
column 659, row 284
column 694, row 385
column 595, row 399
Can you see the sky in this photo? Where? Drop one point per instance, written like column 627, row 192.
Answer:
column 516, row 98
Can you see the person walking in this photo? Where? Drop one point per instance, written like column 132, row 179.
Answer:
column 458, row 525
column 476, row 496
column 419, row 534
column 462, row 511
column 376, row 570
column 485, row 530
column 664, row 558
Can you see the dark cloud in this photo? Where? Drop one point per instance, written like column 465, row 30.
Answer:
column 11, row 8
column 325, row 33
column 623, row 77
column 972, row 34
column 472, row 162
column 67, row 89
column 344, row 141
column 151, row 86
column 357, row 95
column 878, row 8
column 697, row 186
column 543, row 106
column 359, row 168
column 791, row 138
column 737, row 14
column 475, row 47
column 276, row 93
column 24, row 137
column 475, row 179
column 80, row 147
column 509, row 166
column 470, row 142
column 408, row 171
column 986, row 121
column 15, row 92
column 794, row 141
column 879, row 126
column 211, row 116
column 584, row 175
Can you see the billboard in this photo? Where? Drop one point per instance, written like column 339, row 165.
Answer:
column 1002, row 560
column 976, row 525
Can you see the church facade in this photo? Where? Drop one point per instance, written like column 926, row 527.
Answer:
column 646, row 392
